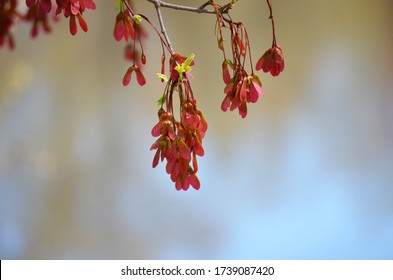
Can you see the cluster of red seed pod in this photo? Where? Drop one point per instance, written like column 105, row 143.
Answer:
column 240, row 86
column 39, row 13
column 180, row 141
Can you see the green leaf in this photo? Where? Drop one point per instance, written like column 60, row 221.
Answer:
column 162, row 100
column 118, row 4
column 189, row 60
column 162, row 77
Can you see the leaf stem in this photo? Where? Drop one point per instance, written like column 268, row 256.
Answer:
column 272, row 19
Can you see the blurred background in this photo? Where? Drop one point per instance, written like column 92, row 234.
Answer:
column 307, row 175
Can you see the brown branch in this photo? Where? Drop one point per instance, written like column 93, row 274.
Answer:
column 158, row 4
column 199, row 10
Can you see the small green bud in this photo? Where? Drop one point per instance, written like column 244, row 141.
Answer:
column 137, row 19
column 161, row 101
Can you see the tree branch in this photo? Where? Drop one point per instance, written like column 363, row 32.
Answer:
column 157, row 5
column 199, row 10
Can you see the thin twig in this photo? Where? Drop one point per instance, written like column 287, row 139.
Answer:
column 157, row 5
column 200, row 9
column 204, row 5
